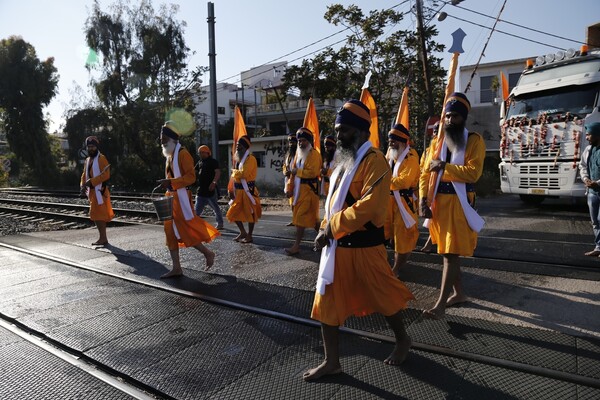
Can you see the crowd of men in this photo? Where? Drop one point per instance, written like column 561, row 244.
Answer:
column 371, row 200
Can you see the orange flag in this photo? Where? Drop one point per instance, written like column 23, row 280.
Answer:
column 504, row 86
column 312, row 123
column 369, row 101
column 402, row 117
column 438, row 149
column 239, row 130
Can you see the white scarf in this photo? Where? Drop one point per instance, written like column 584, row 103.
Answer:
column 297, row 182
column 244, row 183
column 458, row 158
column 182, row 195
column 96, row 170
column 406, row 216
column 333, row 206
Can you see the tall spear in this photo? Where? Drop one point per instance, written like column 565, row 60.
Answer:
column 456, row 49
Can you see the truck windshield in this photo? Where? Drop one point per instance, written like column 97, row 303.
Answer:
column 578, row 100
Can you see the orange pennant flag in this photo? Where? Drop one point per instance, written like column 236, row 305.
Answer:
column 312, row 123
column 369, row 101
column 402, row 117
column 239, row 130
column 438, row 149
column 504, row 86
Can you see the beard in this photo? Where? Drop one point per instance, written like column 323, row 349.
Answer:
column 346, row 152
column 93, row 153
column 239, row 154
column 393, row 154
column 292, row 150
column 455, row 138
column 168, row 148
column 302, row 154
column 329, row 155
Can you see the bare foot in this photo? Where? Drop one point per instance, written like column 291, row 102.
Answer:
column 322, row 370
column 400, row 352
column 455, row 300
column 433, row 314
column 247, row 239
column 210, row 260
column 100, row 243
column 172, row 274
column 292, row 251
column 239, row 237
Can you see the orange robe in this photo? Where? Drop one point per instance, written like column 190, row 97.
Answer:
column 448, row 226
column 196, row 230
column 363, row 280
column 405, row 239
column 306, row 210
column 242, row 209
column 99, row 212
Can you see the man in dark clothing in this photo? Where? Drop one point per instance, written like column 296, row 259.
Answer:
column 589, row 169
column 209, row 174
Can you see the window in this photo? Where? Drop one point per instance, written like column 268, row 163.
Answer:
column 487, row 94
column 221, row 110
column 513, row 79
column 260, row 158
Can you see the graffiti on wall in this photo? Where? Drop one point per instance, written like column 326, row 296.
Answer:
column 275, row 154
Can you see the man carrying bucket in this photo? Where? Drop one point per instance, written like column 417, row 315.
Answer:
column 96, row 173
column 185, row 229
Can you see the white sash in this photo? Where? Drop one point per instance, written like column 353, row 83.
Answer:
column 406, row 216
column 458, row 158
column 244, row 183
column 297, row 181
column 332, row 206
column 96, row 170
column 184, row 202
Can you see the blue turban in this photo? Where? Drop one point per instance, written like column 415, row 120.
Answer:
column 399, row 133
column 459, row 103
column 593, row 128
column 304, row 133
column 356, row 114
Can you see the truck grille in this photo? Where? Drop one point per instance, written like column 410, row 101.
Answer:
column 541, row 181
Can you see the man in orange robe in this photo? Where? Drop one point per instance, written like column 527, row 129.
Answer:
column 453, row 223
column 305, row 199
column 245, row 201
column 96, row 173
column 354, row 275
column 186, row 229
column 404, row 164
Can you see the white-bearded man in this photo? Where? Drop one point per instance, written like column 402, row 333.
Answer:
column 354, row 275
column 96, row 173
column 305, row 172
column 453, row 223
column 186, row 229
column 288, row 164
column 404, row 163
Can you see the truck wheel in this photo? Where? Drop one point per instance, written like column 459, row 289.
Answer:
column 532, row 199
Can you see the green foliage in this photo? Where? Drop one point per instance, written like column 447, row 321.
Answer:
column 489, row 182
column 26, row 86
column 373, row 45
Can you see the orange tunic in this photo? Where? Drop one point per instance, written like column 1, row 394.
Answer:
column 405, row 239
column 242, row 209
column 306, row 210
column 196, row 230
column 363, row 280
column 448, row 227
column 99, row 212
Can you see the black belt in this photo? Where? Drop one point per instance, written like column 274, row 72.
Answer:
column 251, row 185
column 407, row 195
column 360, row 239
column 448, row 188
column 313, row 183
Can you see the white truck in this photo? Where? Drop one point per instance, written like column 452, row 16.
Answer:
column 542, row 125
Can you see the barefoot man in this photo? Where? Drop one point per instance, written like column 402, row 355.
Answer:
column 305, row 172
column 186, row 229
column 404, row 164
column 246, row 201
column 96, row 173
column 453, row 223
column 354, row 275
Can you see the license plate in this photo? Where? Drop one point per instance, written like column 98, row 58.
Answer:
column 538, row 191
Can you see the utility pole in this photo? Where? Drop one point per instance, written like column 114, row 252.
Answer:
column 426, row 74
column 212, row 56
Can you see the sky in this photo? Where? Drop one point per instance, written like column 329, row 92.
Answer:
column 251, row 33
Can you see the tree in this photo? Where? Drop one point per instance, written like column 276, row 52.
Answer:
column 372, row 46
column 26, row 86
column 141, row 75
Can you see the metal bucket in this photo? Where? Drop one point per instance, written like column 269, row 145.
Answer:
column 163, row 206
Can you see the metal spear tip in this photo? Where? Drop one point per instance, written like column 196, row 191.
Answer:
column 457, row 39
